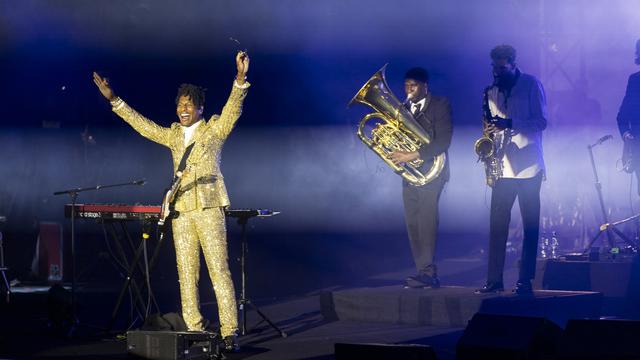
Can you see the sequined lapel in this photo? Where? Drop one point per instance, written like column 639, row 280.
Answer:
column 178, row 140
column 200, row 133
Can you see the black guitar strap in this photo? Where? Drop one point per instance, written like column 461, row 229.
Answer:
column 185, row 156
column 181, row 166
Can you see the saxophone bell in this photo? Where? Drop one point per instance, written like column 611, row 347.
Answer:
column 484, row 148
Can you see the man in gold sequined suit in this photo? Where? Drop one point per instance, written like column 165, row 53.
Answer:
column 202, row 196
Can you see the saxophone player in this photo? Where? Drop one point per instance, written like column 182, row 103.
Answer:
column 517, row 116
column 433, row 114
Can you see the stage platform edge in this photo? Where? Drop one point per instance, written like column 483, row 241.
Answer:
column 453, row 306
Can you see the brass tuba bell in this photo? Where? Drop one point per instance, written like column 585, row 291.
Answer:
column 398, row 131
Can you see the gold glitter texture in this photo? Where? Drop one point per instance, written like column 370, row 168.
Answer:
column 200, row 202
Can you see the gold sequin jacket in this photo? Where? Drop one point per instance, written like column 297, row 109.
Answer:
column 202, row 185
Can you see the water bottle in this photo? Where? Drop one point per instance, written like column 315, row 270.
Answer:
column 544, row 245
column 554, row 245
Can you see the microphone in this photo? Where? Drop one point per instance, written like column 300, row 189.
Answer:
column 239, row 45
column 600, row 141
column 603, row 139
column 143, row 181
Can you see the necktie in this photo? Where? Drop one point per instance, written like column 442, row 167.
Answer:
column 416, row 108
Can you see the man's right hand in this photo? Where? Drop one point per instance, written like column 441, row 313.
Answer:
column 489, row 128
column 103, row 86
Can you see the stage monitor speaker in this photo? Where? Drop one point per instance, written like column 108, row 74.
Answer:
column 48, row 262
column 344, row 351
column 601, row 339
column 173, row 345
column 490, row 336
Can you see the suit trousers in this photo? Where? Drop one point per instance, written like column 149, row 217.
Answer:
column 503, row 197
column 206, row 229
column 421, row 216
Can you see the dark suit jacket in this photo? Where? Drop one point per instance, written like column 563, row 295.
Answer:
column 629, row 114
column 436, row 120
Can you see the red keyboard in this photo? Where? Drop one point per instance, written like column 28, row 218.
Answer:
column 114, row 211
column 143, row 212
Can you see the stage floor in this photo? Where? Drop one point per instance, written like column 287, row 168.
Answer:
column 453, row 306
column 310, row 336
column 381, row 312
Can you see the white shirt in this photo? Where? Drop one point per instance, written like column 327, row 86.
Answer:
column 415, row 105
column 189, row 131
column 517, row 163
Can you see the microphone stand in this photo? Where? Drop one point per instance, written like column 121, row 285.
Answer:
column 607, row 226
column 73, row 193
column 3, row 270
column 244, row 301
column 598, row 186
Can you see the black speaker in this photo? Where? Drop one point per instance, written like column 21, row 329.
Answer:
column 508, row 337
column 173, row 345
column 601, row 339
column 344, row 351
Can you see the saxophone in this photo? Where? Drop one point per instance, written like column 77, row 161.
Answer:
column 490, row 147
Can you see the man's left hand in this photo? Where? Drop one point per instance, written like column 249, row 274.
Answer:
column 501, row 123
column 242, row 63
column 398, row 157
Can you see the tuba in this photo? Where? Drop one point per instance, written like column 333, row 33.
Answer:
column 398, row 131
column 490, row 147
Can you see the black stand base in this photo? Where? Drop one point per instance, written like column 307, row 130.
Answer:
column 243, row 308
column 5, row 284
column 129, row 281
column 607, row 227
column 243, row 301
column 612, row 226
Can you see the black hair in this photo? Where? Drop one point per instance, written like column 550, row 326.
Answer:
column 193, row 92
column 504, row 52
column 417, row 74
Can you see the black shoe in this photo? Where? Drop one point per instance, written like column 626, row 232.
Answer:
column 422, row 281
column 491, row 287
column 230, row 343
column 523, row 287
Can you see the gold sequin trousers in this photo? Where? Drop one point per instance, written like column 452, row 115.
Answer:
column 204, row 228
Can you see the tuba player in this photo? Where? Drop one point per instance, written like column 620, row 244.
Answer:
column 433, row 113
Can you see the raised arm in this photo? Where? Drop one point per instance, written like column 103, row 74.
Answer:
column 233, row 108
column 141, row 124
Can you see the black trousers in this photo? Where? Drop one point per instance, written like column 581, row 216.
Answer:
column 503, row 196
column 421, row 216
